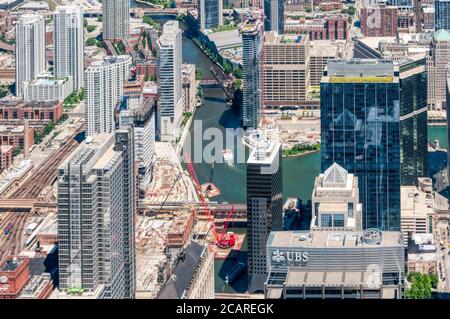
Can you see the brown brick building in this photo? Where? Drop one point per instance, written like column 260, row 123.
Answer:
column 18, row 110
column 379, row 21
column 14, row 275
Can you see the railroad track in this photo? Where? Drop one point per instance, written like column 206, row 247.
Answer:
column 42, row 177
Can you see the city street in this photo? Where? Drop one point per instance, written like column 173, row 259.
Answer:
column 442, row 255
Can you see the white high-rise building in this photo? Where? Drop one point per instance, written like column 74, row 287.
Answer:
column 116, row 19
column 69, row 44
column 30, row 49
column 96, row 206
column 103, row 88
column 170, row 81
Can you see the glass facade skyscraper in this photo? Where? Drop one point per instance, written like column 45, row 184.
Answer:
column 442, row 14
column 251, row 58
column 413, row 121
column 360, row 129
column 274, row 12
column 210, row 13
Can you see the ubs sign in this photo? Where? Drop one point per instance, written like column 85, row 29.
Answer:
column 280, row 257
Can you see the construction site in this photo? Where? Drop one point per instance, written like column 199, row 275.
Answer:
column 176, row 209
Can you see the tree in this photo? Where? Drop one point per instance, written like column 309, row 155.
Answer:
column 420, row 286
column 227, row 67
column 91, row 28
column 198, row 74
column 91, row 42
column 237, row 72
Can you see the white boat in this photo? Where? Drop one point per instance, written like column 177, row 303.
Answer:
column 228, row 157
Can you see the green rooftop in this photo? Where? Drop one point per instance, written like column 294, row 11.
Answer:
column 441, row 35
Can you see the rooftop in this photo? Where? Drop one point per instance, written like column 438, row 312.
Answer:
column 325, row 48
column 415, row 202
column 333, row 239
column 441, row 35
column 11, row 264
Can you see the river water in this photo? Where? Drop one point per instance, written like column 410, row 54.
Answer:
column 298, row 173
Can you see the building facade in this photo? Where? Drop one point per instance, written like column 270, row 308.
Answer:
column 94, row 236
column 116, row 19
column 364, row 265
column 413, row 121
column 360, row 130
column 379, row 21
column 335, row 201
column 442, row 14
column 274, row 12
column 68, row 44
column 30, row 49
column 251, row 32
column 210, row 13
column 264, row 206
column 170, row 81
column 141, row 114
column 46, row 88
column 103, row 84
column 437, row 62
column 285, row 69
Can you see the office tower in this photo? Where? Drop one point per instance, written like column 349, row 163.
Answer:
column 210, row 13
column 335, row 201
column 103, row 83
column 116, row 19
column 264, row 205
column 442, row 14
column 379, row 21
column 437, row 62
column 413, row 121
column 125, row 146
column 30, row 49
column 360, row 129
column 285, row 69
column 335, row 265
column 251, row 31
column 448, row 115
column 274, row 12
column 68, row 44
column 95, row 230
column 140, row 112
column 170, row 81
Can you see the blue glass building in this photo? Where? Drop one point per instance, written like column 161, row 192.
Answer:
column 442, row 14
column 274, row 12
column 360, row 129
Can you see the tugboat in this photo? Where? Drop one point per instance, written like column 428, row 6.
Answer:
column 235, row 273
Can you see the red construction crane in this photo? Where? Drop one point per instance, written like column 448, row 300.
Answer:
column 222, row 239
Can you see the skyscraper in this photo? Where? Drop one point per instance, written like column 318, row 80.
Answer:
column 125, row 145
column 442, row 14
column 30, row 49
column 210, row 13
column 251, row 57
column 285, row 69
column 335, row 201
column 448, row 114
column 274, row 12
column 413, row 121
column 170, row 81
column 437, row 68
column 116, row 19
column 104, row 86
column 264, row 206
column 95, row 229
column 69, row 44
column 360, row 130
